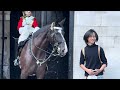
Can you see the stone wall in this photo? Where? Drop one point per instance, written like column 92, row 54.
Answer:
column 6, row 65
column 107, row 25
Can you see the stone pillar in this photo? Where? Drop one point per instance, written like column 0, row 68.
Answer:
column 6, row 62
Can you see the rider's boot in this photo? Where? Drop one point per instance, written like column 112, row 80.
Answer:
column 16, row 61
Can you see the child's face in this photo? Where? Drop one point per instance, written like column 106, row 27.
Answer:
column 28, row 13
column 92, row 38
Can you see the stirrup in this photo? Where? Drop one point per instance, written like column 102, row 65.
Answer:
column 16, row 61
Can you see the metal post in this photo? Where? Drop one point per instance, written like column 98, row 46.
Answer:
column 71, row 37
column 2, row 44
column 43, row 18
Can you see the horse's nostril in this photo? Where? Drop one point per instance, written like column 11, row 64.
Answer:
column 62, row 50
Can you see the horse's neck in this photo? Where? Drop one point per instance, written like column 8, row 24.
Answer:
column 41, row 40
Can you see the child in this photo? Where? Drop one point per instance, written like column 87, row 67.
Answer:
column 95, row 65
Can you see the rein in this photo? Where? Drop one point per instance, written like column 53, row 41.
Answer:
column 41, row 61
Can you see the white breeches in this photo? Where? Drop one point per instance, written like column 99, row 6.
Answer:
column 25, row 31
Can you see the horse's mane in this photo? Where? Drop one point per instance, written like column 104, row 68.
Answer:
column 41, row 30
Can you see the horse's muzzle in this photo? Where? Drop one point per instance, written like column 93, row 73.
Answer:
column 62, row 52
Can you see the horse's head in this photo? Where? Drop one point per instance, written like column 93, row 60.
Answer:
column 57, row 38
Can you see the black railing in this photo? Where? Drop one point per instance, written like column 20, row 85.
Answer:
column 71, row 35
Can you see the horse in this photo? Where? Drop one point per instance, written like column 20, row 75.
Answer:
column 33, row 57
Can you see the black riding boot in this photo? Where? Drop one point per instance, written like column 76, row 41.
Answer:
column 16, row 61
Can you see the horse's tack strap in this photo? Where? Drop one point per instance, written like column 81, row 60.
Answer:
column 57, row 28
column 38, row 60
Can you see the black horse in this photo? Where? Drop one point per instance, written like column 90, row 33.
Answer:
column 33, row 57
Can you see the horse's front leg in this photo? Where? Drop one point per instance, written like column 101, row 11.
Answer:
column 41, row 71
column 24, row 74
column 27, row 68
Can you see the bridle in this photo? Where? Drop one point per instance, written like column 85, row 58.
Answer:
column 53, row 53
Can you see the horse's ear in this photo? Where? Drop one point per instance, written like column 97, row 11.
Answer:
column 62, row 22
column 52, row 26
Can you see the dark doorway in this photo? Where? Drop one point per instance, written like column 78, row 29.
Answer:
column 57, row 69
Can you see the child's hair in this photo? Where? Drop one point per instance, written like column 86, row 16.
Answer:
column 88, row 34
